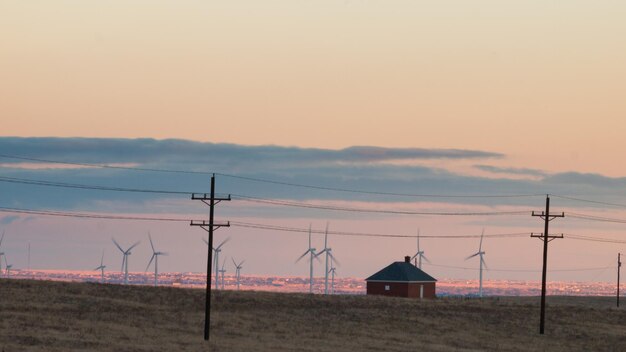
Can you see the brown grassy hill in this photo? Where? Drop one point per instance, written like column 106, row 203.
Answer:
column 54, row 316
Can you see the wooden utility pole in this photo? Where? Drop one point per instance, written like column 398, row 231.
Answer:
column 545, row 237
column 211, row 226
column 619, row 266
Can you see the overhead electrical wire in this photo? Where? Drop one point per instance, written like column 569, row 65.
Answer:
column 519, row 270
column 589, row 201
column 280, row 228
column 595, row 218
column 255, row 179
column 254, row 199
column 364, row 210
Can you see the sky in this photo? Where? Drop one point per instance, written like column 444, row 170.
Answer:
column 421, row 97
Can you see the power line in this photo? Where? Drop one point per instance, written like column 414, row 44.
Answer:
column 347, row 190
column 590, row 201
column 252, row 199
column 255, row 179
column 521, row 270
column 363, row 234
column 82, row 186
column 363, row 210
column 595, row 218
column 281, row 228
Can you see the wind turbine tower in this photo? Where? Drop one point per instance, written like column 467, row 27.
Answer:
column 332, row 272
column 126, row 253
column 480, row 253
column 329, row 254
column 223, row 271
column 155, row 257
column 217, row 251
column 420, row 254
column 8, row 267
column 101, row 268
column 238, row 271
column 311, row 252
column 1, row 252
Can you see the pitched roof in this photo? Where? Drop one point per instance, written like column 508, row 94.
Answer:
column 403, row 272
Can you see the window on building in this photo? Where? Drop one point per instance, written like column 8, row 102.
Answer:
column 387, row 288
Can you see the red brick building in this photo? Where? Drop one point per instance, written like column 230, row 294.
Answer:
column 402, row 279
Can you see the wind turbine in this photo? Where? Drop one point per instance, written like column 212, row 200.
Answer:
column 101, row 268
column 332, row 272
column 223, row 271
column 1, row 252
column 8, row 267
column 310, row 251
column 126, row 253
column 420, row 254
column 155, row 257
column 329, row 253
column 217, row 251
column 238, row 270
column 480, row 253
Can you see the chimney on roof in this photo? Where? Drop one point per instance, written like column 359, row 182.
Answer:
column 407, row 259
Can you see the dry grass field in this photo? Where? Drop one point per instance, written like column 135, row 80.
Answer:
column 56, row 316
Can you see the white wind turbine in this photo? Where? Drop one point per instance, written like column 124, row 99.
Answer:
column 420, row 254
column 101, row 268
column 217, row 251
column 238, row 270
column 126, row 253
column 480, row 253
column 332, row 272
column 310, row 251
column 8, row 267
column 223, row 271
column 155, row 257
column 329, row 253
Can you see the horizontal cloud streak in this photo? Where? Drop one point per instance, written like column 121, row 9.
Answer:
column 351, row 168
column 176, row 151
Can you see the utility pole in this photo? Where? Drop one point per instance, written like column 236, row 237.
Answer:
column 619, row 265
column 209, row 227
column 545, row 237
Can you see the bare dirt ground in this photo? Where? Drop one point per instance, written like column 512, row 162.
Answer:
column 56, row 316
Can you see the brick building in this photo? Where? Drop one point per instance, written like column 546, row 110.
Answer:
column 401, row 279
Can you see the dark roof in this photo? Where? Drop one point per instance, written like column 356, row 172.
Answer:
column 401, row 271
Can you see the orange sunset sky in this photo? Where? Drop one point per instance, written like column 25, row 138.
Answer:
column 541, row 82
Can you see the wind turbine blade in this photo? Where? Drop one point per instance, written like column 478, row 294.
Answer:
column 326, row 236
column 223, row 243
column 133, row 246
column 480, row 247
column 2, row 239
column 418, row 241
column 162, row 253
column 317, row 257
column 117, row 244
column 320, row 253
column 233, row 259
column 151, row 244
column 472, row 256
column 150, row 262
column 123, row 261
column 309, row 235
column 102, row 259
column 416, row 254
column 302, row 256
column 205, row 241
column 223, row 263
column 240, row 264
column 426, row 259
column 334, row 259
column 484, row 263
